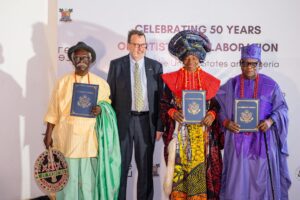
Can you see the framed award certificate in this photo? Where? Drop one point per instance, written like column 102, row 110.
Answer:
column 246, row 114
column 193, row 105
column 84, row 98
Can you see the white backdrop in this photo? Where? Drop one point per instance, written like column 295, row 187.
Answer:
column 228, row 24
column 29, row 64
column 27, row 71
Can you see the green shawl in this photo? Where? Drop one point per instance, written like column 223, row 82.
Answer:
column 109, row 157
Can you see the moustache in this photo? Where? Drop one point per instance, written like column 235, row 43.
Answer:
column 81, row 66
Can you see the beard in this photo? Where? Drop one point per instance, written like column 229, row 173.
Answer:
column 81, row 66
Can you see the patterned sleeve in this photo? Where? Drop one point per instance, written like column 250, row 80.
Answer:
column 167, row 122
column 165, row 105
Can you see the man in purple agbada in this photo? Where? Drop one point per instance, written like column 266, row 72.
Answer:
column 246, row 171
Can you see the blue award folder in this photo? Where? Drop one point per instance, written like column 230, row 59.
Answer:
column 193, row 105
column 84, row 99
column 246, row 114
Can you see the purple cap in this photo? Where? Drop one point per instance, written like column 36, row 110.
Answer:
column 251, row 51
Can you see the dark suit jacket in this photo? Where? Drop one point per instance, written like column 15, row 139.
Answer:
column 120, row 86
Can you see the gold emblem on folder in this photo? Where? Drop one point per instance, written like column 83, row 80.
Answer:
column 194, row 108
column 246, row 116
column 84, row 101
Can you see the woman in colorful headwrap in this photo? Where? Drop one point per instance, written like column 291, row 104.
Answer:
column 196, row 170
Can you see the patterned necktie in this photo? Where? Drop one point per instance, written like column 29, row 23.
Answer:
column 138, row 90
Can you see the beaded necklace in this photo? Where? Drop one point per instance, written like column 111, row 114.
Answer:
column 192, row 84
column 242, row 88
column 183, row 84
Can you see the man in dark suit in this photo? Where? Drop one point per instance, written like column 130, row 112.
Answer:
column 136, row 89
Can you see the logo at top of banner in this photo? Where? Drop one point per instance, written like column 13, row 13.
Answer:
column 65, row 14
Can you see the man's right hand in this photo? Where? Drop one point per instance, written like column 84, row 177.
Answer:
column 48, row 136
column 48, row 141
column 233, row 127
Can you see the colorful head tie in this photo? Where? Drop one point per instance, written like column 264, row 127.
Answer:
column 189, row 42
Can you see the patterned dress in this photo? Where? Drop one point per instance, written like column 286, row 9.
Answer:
column 198, row 162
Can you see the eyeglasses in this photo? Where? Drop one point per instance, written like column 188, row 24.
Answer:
column 136, row 45
column 81, row 58
column 251, row 64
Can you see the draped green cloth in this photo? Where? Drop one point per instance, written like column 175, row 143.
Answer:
column 109, row 157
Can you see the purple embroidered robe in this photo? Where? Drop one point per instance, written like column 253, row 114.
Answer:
column 245, row 167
